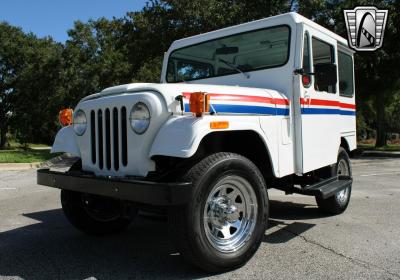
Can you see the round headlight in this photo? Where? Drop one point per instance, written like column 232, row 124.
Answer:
column 139, row 118
column 80, row 122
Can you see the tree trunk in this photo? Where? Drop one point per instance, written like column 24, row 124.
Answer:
column 3, row 137
column 380, row 121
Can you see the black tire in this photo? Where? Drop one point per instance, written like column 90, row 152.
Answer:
column 337, row 204
column 186, row 223
column 93, row 214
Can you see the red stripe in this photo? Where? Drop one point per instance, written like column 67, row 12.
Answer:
column 278, row 101
column 186, row 95
column 322, row 102
column 347, row 105
column 243, row 98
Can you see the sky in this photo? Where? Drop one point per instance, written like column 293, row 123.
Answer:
column 55, row 17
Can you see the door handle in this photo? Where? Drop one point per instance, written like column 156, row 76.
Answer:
column 307, row 99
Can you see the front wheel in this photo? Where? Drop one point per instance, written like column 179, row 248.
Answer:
column 94, row 214
column 223, row 226
column 338, row 203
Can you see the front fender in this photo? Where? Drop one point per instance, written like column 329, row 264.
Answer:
column 65, row 142
column 178, row 137
column 181, row 136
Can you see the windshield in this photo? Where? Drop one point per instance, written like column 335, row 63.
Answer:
column 243, row 52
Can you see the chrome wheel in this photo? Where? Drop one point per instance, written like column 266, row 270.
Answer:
column 343, row 169
column 230, row 214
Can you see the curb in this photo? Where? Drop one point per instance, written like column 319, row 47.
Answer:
column 19, row 166
column 380, row 154
column 34, row 165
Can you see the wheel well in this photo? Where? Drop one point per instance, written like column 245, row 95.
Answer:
column 344, row 145
column 244, row 142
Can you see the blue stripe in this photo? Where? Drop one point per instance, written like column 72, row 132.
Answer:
column 320, row 111
column 348, row 113
column 243, row 109
column 325, row 111
column 282, row 111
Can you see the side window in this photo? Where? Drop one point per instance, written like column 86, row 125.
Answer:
column 306, row 79
column 346, row 79
column 322, row 55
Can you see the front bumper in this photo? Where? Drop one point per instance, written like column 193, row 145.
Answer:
column 152, row 193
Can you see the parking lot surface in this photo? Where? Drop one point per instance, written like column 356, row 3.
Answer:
column 36, row 241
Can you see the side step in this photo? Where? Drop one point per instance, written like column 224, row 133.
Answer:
column 328, row 187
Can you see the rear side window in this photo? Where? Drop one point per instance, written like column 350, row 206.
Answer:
column 322, row 54
column 346, row 79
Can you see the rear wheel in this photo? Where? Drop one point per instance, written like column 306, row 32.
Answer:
column 338, row 203
column 94, row 214
column 223, row 226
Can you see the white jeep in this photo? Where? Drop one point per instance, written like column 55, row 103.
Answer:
column 265, row 104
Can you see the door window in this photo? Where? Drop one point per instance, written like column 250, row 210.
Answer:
column 322, row 55
column 306, row 79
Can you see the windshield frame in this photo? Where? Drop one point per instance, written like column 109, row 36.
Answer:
column 231, row 35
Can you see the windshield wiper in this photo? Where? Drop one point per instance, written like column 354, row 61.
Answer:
column 235, row 67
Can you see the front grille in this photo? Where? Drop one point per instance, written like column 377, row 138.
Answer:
column 108, row 133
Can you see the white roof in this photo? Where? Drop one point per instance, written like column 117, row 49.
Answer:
column 299, row 18
column 279, row 19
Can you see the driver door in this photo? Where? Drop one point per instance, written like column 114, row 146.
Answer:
column 319, row 104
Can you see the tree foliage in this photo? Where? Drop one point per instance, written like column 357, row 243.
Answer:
column 39, row 76
column 11, row 63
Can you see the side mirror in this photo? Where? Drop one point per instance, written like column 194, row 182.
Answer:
column 325, row 74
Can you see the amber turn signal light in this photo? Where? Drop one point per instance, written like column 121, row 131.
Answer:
column 199, row 103
column 219, row 125
column 65, row 117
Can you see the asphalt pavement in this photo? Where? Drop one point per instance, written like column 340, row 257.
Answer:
column 36, row 241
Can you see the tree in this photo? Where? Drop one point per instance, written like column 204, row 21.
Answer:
column 393, row 114
column 30, row 89
column 38, row 92
column 12, row 47
column 150, row 72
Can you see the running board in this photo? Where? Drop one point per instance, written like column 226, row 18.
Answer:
column 328, row 187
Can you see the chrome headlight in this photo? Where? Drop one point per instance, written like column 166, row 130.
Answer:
column 139, row 118
column 80, row 122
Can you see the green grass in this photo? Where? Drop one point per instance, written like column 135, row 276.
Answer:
column 38, row 146
column 13, row 145
column 25, row 156
column 388, row 148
